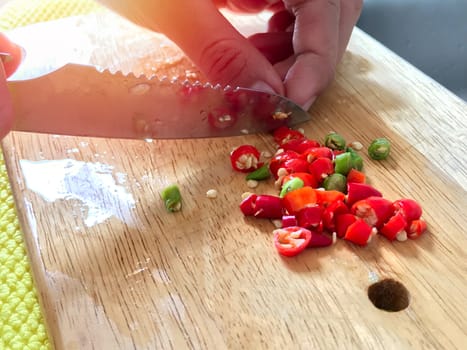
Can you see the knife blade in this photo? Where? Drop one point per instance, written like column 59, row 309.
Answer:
column 80, row 100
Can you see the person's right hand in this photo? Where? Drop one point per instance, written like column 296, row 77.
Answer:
column 10, row 58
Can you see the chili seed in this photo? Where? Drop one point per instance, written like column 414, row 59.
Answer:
column 379, row 149
column 252, row 183
column 212, row 193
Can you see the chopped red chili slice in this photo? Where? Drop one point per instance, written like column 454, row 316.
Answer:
column 299, row 145
column 328, row 197
column 290, row 241
column 320, row 168
column 357, row 191
column 359, row 232
column 416, row 228
column 307, row 178
column 319, row 240
column 310, row 217
column 409, row 208
column 355, row 175
column 332, row 211
column 289, row 220
column 296, row 200
column 395, row 226
column 317, row 152
column 245, row 158
column 278, row 160
column 284, row 134
column 262, row 206
column 343, row 221
column 374, row 210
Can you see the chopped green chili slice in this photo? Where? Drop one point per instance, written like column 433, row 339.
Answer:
column 172, row 198
column 261, row 173
column 334, row 140
column 343, row 163
column 379, row 149
column 336, row 182
column 291, row 185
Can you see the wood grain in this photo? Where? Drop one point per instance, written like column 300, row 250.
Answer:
column 208, row 278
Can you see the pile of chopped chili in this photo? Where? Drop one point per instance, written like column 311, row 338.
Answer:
column 323, row 195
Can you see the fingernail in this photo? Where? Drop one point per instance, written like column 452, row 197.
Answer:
column 307, row 104
column 5, row 57
column 262, row 86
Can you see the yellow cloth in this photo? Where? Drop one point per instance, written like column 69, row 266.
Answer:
column 21, row 322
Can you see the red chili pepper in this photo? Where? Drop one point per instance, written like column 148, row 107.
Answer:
column 307, row 178
column 331, row 212
column 299, row 145
column 295, row 166
column 355, row 175
column 319, row 240
column 284, row 134
column 336, row 152
column 409, row 208
column 359, row 232
column 291, row 241
column 326, row 198
column 296, row 200
column 357, row 191
column 289, row 220
column 312, row 154
column 416, row 228
column 262, row 206
column 278, row 160
column 374, row 210
column 245, row 158
column 320, row 168
column 310, row 217
column 395, row 226
column 343, row 221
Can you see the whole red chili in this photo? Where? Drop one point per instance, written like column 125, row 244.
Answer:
column 245, row 158
column 290, row 241
column 357, row 191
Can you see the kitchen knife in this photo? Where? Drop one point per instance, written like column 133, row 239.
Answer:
column 83, row 101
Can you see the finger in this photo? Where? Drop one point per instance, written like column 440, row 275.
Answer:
column 316, row 46
column 207, row 38
column 12, row 57
column 280, row 21
column 276, row 46
column 350, row 12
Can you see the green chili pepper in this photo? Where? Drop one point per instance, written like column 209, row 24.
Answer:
column 343, row 163
column 172, row 198
column 379, row 149
column 261, row 173
column 334, row 140
column 357, row 160
column 336, row 182
column 291, row 185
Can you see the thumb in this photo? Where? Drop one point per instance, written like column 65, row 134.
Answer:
column 208, row 39
column 10, row 57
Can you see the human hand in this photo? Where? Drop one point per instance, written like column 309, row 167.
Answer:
column 297, row 57
column 10, row 57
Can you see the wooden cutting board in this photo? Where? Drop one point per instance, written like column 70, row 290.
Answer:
column 116, row 271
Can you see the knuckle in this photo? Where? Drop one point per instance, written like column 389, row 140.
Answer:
column 223, row 60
